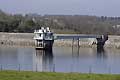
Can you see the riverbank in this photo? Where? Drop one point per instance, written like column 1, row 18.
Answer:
column 17, row 39
column 27, row 75
column 26, row 40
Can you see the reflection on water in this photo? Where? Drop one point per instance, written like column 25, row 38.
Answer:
column 75, row 52
column 26, row 59
column 61, row 59
column 16, row 58
column 101, row 53
column 44, row 60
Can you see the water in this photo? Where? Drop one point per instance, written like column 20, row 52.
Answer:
column 61, row 59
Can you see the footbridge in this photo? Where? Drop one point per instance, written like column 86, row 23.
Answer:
column 101, row 39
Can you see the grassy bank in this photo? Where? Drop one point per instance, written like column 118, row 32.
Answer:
column 25, row 75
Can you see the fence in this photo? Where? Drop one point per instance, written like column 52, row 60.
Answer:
column 27, row 67
column 54, row 68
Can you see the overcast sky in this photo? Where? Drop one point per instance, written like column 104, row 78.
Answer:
column 66, row 7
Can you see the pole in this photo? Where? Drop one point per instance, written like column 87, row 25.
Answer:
column 1, row 67
column 90, row 69
column 78, row 42
column 19, row 67
column 72, row 42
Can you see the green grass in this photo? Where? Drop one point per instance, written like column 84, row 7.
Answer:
column 27, row 75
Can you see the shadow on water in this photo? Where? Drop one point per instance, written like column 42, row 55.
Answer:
column 44, row 60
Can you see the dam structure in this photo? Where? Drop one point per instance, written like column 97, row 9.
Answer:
column 48, row 39
column 44, row 38
column 101, row 39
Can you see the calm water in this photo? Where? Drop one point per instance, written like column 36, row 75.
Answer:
column 61, row 59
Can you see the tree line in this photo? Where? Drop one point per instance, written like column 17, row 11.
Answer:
column 83, row 24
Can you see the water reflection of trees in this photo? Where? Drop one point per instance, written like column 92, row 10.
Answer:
column 44, row 60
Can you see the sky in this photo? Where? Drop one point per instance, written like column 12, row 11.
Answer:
column 62, row 7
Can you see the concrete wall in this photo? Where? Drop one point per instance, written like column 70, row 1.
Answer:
column 17, row 39
column 26, row 39
column 113, row 42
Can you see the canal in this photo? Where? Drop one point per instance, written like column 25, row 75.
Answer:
column 61, row 59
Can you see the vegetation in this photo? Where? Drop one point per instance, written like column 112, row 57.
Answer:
column 83, row 24
column 25, row 75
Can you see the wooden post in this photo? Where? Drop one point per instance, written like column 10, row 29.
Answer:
column 109, row 70
column 36, row 67
column 53, row 67
column 1, row 67
column 90, row 69
column 19, row 67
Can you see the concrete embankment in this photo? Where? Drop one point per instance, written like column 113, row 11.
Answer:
column 17, row 39
column 26, row 39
